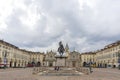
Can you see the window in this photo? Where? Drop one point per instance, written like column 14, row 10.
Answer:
column 116, row 54
column 113, row 55
column 113, row 49
column 3, row 53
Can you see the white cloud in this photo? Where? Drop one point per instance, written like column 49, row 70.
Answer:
column 40, row 24
column 5, row 11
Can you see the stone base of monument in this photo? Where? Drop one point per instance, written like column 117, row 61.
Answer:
column 61, row 60
column 61, row 72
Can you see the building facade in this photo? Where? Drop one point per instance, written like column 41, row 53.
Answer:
column 36, row 58
column 88, row 57
column 50, row 59
column 72, row 59
column 12, row 56
column 109, row 55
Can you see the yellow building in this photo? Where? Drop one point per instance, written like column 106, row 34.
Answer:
column 36, row 58
column 12, row 56
column 71, row 59
column 88, row 57
column 50, row 59
column 108, row 56
column 74, row 59
column 7, row 52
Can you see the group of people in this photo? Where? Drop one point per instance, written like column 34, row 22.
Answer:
column 57, row 68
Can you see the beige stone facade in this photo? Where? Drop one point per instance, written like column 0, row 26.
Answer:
column 36, row 58
column 50, row 59
column 74, row 59
column 15, row 57
column 108, row 56
column 71, row 59
column 12, row 56
column 88, row 57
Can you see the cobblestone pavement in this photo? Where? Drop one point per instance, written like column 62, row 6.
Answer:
column 98, row 74
column 17, row 74
column 26, row 74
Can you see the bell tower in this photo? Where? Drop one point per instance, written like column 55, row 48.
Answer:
column 67, row 50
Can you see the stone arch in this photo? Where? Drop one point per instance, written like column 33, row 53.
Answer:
column 113, row 63
column 19, row 63
column 25, row 63
column 11, row 62
column 15, row 63
column 84, row 64
column 33, row 63
column 22, row 63
column 50, row 64
column 38, row 63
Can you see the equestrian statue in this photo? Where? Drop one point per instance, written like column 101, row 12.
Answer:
column 61, row 49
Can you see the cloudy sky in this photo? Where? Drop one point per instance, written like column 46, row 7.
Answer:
column 38, row 25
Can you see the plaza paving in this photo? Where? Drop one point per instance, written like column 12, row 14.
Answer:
column 26, row 74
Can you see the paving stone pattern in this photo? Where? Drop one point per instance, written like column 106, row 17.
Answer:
column 26, row 74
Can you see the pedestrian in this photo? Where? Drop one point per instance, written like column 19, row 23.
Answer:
column 57, row 68
column 90, row 67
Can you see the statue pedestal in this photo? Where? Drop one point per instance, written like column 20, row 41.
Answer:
column 61, row 60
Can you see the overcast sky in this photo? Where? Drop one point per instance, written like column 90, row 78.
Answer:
column 38, row 25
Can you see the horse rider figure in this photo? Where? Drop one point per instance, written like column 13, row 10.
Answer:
column 61, row 48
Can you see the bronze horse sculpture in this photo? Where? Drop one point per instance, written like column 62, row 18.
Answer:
column 61, row 48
